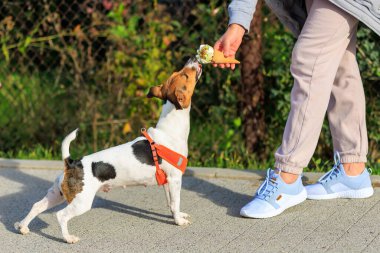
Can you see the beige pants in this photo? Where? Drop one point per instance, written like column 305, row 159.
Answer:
column 326, row 78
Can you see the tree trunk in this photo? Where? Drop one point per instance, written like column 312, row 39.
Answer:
column 251, row 91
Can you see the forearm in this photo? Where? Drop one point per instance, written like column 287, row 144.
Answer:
column 241, row 12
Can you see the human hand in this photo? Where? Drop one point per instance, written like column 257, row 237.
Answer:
column 229, row 43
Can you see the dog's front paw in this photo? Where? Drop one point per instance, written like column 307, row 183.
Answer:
column 22, row 229
column 71, row 239
column 182, row 222
column 184, row 215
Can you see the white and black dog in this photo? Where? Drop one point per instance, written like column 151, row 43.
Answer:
column 127, row 164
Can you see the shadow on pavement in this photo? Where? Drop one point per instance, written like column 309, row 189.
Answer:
column 138, row 212
column 15, row 206
column 219, row 195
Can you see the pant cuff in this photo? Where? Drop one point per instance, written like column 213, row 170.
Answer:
column 288, row 168
column 353, row 159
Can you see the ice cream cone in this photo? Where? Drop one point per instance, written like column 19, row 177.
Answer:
column 218, row 58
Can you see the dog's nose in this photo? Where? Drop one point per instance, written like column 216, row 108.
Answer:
column 192, row 60
column 194, row 64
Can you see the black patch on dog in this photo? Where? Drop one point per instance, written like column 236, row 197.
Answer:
column 143, row 152
column 103, row 171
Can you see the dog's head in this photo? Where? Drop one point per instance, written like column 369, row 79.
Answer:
column 179, row 88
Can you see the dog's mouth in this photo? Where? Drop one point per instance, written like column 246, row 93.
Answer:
column 193, row 63
column 199, row 70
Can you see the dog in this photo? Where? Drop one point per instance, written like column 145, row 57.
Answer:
column 128, row 164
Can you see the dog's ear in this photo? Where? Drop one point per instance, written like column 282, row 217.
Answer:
column 180, row 99
column 156, row 91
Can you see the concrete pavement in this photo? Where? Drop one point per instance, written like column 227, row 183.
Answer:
column 136, row 219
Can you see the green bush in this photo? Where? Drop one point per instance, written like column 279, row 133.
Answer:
column 94, row 70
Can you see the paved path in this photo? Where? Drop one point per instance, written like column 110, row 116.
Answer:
column 136, row 219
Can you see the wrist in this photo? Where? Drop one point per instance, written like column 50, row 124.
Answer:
column 238, row 28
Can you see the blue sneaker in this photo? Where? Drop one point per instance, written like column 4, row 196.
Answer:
column 274, row 196
column 336, row 184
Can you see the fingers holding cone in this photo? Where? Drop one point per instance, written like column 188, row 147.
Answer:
column 223, row 61
column 219, row 58
column 224, row 56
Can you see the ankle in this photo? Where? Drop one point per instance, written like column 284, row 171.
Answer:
column 287, row 177
column 353, row 169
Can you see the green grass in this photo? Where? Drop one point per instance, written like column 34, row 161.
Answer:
column 36, row 153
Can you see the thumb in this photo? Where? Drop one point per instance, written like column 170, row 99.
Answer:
column 223, row 45
column 226, row 48
column 219, row 45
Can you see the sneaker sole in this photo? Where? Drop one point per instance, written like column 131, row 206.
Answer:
column 298, row 199
column 351, row 194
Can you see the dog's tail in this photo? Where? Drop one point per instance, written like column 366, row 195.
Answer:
column 66, row 144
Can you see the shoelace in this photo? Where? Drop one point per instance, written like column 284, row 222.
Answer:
column 334, row 172
column 263, row 192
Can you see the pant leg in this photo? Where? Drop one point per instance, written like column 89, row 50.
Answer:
column 346, row 110
column 315, row 60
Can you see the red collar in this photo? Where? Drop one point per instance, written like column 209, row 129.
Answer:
column 177, row 160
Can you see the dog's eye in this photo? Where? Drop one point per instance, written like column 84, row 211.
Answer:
column 185, row 75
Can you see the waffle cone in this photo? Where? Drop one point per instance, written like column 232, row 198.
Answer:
column 218, row 57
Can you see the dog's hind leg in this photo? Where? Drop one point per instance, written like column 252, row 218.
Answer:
column 53, row 198
column 175, row 195
column 80, row 204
